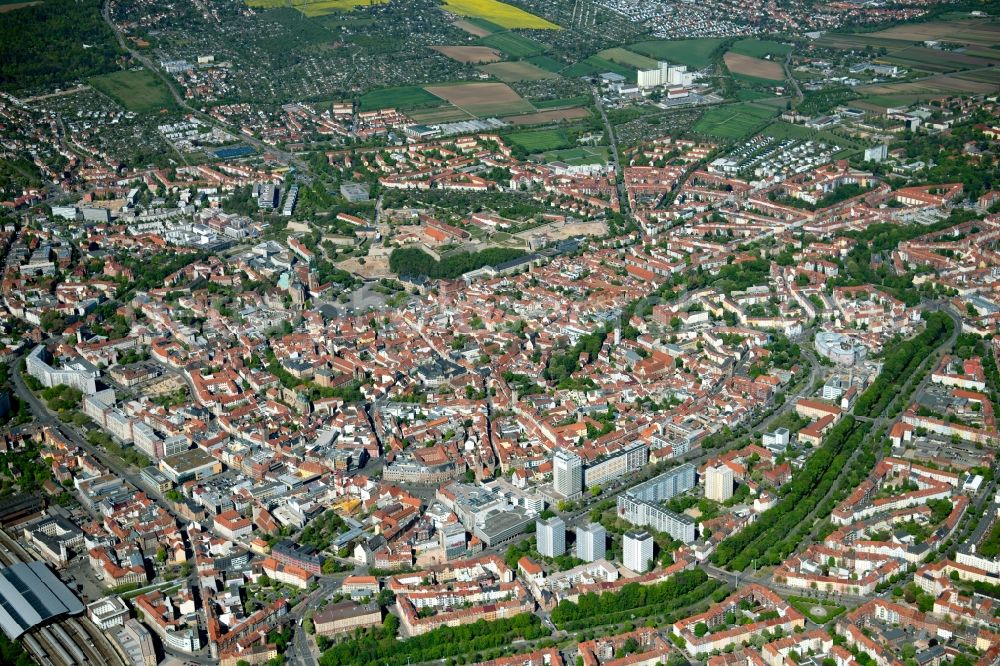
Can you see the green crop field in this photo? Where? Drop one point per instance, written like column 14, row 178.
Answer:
column 548, row 63
column 140, row 90
column 513, row 44
column 597, row 65
column 695, row 53
column 734, row 121
column 581, row 100
column 403, row 97
column 758, row 48
column 540, row 140
column 627, row 58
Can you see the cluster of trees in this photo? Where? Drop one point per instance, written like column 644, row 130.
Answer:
column 32, row 469
column 380, row 648
column 733, row 277
column 414, row 261
column 769, row 540
column 900, row 363
column 781, row 528
column 151, row 272
column 562, row 365
column 842, row 193
column 322, row 530
column 54, row 42
column 634, row 601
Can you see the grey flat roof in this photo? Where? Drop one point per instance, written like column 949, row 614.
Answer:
column 30, row 594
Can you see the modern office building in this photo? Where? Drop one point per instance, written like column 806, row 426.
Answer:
column 567, row 473
column 637, row 550
column 641, row 505
column 718, row 483
column 590, row 541
column 550, row 536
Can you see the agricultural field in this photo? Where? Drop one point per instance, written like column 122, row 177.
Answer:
column 482, row 99
column 499, row 13
column 470, row 54
column 140, row 90
column 580, row 100
column 598, row 65
column 313, row 8
column 472, row 28
column 627, row 58
column 441, row 114
column 403, row 98
column 696, row 53
column 734, row 121
column 513, row 45
column 760, row 48
column 539, row 141
column 546, row 117
column 548, row 63
column 903, row 45
column 754, row 67
column 931, row 87
column 510, row 72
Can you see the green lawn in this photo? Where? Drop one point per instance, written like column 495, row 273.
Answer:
column 696, row 53
column 540, row 140
column 758, row 48
column 403, row 97
column 818, row 611
column 734, row 121
column 513, row 44
column 140, row 90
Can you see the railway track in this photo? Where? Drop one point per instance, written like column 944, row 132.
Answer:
column 69, row 642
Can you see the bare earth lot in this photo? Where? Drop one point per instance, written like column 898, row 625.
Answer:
column 483, row 99
column 470, row 54
column 756, row 67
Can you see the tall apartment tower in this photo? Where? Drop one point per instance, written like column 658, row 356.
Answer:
column 590, row 541
column 637, row 551
column 719, row 483
column 550, row 536
column 567, row 473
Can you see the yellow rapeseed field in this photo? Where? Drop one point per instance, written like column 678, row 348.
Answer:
column 502, row 14
column 314, row 7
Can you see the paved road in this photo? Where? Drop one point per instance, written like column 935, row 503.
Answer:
column 613, row 140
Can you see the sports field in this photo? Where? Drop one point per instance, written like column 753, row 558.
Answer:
column 580, row 155
column 482, row 99
column 510, row 72
column 734, row 121
column 754, row 67
column 140, row 90
column 696, row 53
column 500, row 13
column 540, row 140
column 470, row 54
